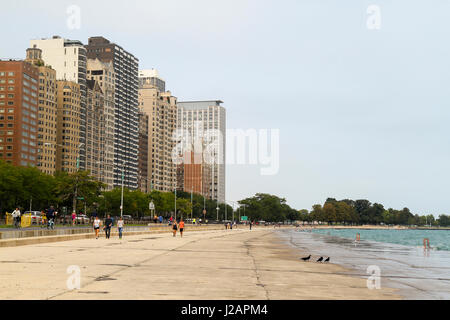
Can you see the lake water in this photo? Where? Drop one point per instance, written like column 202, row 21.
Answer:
column 399, row 254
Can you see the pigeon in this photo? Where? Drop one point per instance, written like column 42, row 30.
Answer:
column 327, row 259
column 320, row 259
column 306, row 258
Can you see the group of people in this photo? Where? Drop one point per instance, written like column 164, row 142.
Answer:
column 107, row 226
column 177, row 225
column 229, row 225
column 47, row 217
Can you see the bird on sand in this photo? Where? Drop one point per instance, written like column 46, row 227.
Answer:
column 327, row 259
column 306, row 258
column 320, row 259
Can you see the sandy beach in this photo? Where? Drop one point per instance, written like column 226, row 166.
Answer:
column 221, row 264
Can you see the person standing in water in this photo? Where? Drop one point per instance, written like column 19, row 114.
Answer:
column 174, row 227
column 120, row 227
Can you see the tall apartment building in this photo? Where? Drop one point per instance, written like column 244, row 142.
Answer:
column 103, row 74
column 46, row 152
column 161, row 107
column 126, row 107
column 68, row 126
column 151, row 76
column 205, row 123
column 19, row 81
column 68, row 58
column 143, row 153
column 95, row 129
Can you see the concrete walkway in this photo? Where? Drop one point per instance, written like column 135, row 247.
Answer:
column 221, row 264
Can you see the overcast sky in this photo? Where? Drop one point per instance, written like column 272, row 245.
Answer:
column 362, row 113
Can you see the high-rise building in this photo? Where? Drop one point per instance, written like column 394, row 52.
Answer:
column 46, row 152
column 161, row 108
column 68, row 126
column 151, row 76
column 19, row 81
column 103, row 74
column 194, row 174
column 143, row 153
column 68, row 58
column 95, row 130
column 126, row 107
column 205, row 123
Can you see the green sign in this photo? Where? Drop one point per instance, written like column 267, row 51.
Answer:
column 244, row 218
column 80, row 198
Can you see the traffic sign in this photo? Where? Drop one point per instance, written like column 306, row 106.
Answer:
column 244, row 218
column 151, row 206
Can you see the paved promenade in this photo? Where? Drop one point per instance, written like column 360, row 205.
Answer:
column 220, row 264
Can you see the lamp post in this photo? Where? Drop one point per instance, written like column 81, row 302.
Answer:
column 175, row 203
column 121, row 196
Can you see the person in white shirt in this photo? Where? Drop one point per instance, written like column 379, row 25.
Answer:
column 16, row 217
column 120, row 227
column 96, row 225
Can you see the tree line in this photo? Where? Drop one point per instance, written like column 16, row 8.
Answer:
column 26, row 187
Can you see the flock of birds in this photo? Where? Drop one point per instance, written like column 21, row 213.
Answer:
column 318, row 260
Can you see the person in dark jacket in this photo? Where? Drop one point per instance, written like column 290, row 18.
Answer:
column 108, row 225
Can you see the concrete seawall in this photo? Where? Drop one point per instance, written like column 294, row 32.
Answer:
column 22, row 238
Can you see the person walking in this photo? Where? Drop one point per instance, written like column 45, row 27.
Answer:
column 174, row 228
column 108, row 225
column 96, row 226
column 50, row 217
column 160, row 219
column 16, row 217
column 74, row 217
column 251, row 225
column 43, row 219
column 181, row 227
column 120, row 227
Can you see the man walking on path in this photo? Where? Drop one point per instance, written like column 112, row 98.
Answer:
column 108, row 225
column 251, row 225
column 74, row 217
column 181, row 227
column 160, row 219
column 16, row 217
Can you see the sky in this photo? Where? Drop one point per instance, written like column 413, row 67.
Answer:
column 362, row 112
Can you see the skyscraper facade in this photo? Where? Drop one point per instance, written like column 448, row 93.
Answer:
column 68, row 126
column 126, row 107
column 95, row 130
column 103, row 74
column 143, row 184
column 68, row 59
column 161, row 108
column 204, row 123
column 47, row 114
column 19, row 81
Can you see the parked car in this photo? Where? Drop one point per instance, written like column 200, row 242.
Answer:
column 127, row 217
column 82, row 219
column 35, row 216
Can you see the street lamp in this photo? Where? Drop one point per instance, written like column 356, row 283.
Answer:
column 121, row 196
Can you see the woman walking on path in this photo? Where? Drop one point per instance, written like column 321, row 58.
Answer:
column 181, row 227
column 120, row 227
column 96, row 225
column 174, row 227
